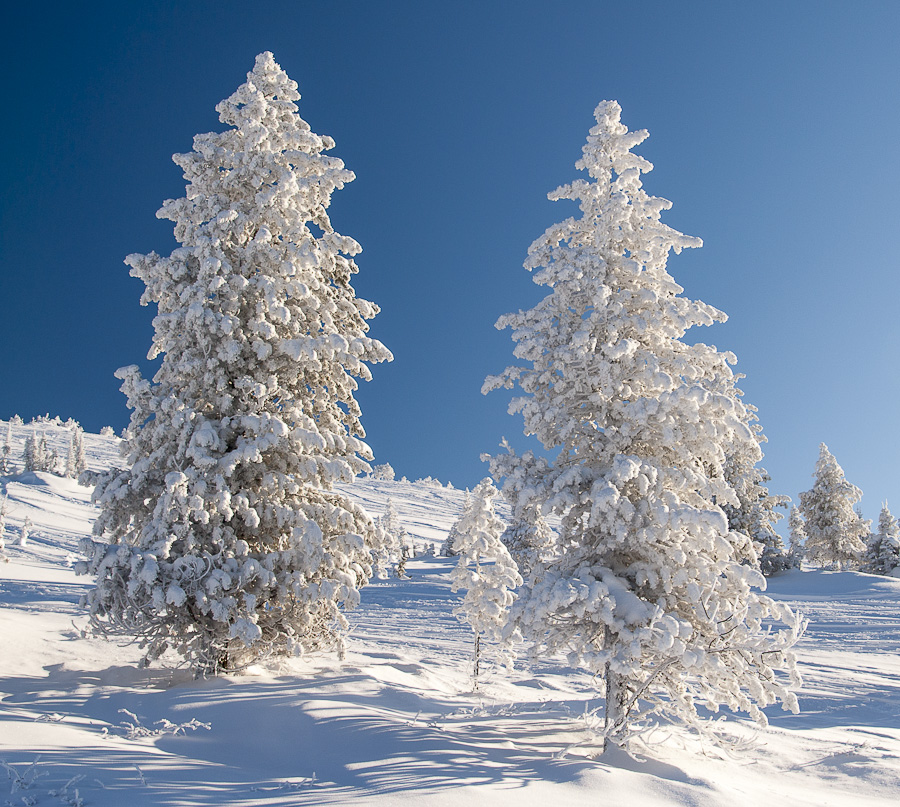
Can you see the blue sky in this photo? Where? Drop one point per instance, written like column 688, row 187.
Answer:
column 773, row 130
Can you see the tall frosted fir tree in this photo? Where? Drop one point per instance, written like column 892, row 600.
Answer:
column 835, row 532
column 647, row 589
column 224, row 539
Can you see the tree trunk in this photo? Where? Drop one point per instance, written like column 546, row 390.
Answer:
column 616, row 698
column 475, row 669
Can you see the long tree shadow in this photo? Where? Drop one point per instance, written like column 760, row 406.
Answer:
column 297, row 740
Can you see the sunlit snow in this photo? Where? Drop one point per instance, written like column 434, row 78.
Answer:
column 396, row 721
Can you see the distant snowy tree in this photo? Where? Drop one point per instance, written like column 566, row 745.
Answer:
column 225, row 540
column 36, row 454
column 406, row 551
column 529, row 540
column 429, row 482
column 16, row 420
column 382, row 472
column 75, row 461
column 29, row 453
column 882, row 553
column 6, row 466
column 834, row 530
column 447, row 547
column 648, row 589
column 387, row 548
column 755, row 514
column 108, row 431
column 25, row 531
column 4, row 511
column 797, row 529
column 488, row 586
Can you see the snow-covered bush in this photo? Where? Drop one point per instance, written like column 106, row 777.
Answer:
column 107, row 431
column 649, row 589
column 488, row 585
column 224, row 539
column 25, row 531
column 882, row 553
column 429, row 482
column 834, row 530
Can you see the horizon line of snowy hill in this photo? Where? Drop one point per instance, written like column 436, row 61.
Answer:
column 102, row 451
column 423, row 499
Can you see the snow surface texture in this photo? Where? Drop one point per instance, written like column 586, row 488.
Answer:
column 396, row 723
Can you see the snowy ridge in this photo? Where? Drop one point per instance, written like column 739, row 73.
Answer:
column 396, row 722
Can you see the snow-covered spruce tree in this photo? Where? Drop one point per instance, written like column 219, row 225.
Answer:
column 798, row 537
column 6, row 466
column 648, row 590
column 488, row 586
column 529, row 540
column 834, row 530
column 448, row 546
column 29, row 453
column 75, row 461
column 224, row 539
column 25, row 531
column 3, row 512
column 755, row 514
column 404, row 553
column 380, row 549
column 883, row 547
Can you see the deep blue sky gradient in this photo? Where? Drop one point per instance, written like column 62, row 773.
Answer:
column 773, row 130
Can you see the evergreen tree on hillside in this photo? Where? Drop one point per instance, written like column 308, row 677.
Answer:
column 648, row 590
column 529, row 540
column 797, row 529
column 224, row 539
column 29, row 453
column 882, row 554
column 3, row 513
column 755, row 514
column 834, row 530
column 75, row 461
column 6, row 466
column 447, row 548
column 488, row 585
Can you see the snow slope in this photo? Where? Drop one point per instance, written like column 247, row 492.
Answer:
column 395, row 722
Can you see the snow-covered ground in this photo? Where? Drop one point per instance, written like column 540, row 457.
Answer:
column 396, row 722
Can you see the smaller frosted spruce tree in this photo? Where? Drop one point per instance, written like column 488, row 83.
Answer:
column 224, row 539
column 882, row 554
column 835, row 532
column 488, row 585
column 649, row 589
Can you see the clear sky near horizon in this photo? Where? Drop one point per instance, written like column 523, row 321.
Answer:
column 773, row 130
